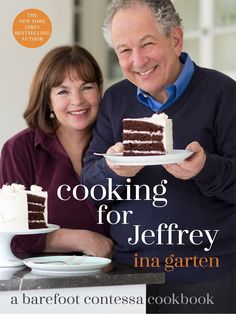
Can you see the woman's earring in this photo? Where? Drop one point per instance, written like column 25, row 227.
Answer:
column 52, row 115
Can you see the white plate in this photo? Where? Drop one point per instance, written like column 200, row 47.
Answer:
column 176, row 156
column 51, row 227
column 74, row 264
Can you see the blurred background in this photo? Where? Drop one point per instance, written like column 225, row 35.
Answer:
column 209, row 37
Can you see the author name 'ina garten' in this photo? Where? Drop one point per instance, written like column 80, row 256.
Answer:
column 173, row 235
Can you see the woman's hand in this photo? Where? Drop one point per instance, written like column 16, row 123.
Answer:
column 190, row 167
column 96, row 244
column 74, row 240
column 123, row 171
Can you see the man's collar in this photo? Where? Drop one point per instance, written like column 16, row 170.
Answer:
column 174, row 90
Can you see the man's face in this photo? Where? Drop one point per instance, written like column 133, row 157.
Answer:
column 147, row 58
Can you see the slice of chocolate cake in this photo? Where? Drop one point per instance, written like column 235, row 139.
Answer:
column 147, row 136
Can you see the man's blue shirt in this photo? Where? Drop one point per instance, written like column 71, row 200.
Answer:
column 174, row 91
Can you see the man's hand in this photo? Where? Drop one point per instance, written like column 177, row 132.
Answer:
column 123, row 171
column 190, row 167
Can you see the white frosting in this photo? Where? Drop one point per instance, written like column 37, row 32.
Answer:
column 36, row 188
column 160, row 119
column 139, row 142
column 146, row 152
column 142, row 132
column 9, row 189
column 14, row 207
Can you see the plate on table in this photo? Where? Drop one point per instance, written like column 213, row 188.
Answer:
column 66, row 264
column 178, row 155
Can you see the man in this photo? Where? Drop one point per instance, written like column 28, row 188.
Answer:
column 198, row 219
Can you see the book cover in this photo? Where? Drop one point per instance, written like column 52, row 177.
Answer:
column 178, row 258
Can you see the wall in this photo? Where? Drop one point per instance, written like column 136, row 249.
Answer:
column 91, row 37
column 18, row 64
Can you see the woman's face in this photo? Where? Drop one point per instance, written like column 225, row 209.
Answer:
column 75, row 103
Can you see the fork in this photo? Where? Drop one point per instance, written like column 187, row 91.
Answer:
column 68, row 261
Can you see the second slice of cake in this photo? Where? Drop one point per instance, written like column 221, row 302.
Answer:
column 147, row 136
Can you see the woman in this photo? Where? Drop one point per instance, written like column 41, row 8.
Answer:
column 62, row 108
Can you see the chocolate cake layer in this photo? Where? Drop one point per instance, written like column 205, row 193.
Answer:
column 142, row 137
column 144, row 146
column 141, row 125
column 35, row 216
column 32, row 198
column 36, row 207
column 37, row 225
